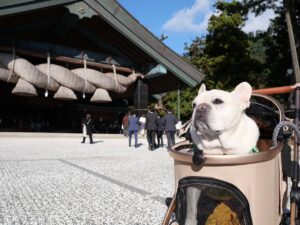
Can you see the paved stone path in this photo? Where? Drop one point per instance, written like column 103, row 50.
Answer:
column 61, row 181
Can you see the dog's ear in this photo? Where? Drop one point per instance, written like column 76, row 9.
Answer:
column 202, row 89
column 243, row 91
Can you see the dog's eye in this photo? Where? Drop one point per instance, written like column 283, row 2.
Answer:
column 217, row 101
column 194, row 104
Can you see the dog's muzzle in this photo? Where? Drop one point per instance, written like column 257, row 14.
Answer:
column 200, row 116
column 202, row 112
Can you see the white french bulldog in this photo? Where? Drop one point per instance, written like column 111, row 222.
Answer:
column 219, row 122
column 220, row 126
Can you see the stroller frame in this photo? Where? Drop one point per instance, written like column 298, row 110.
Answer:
column 258, row 176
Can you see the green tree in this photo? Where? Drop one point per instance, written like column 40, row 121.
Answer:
column 227, row 49
column 275, row 40
column 186, row 97
column 223, row 55
column 229, row 56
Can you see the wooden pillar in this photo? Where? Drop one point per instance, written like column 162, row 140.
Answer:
column 141, row 97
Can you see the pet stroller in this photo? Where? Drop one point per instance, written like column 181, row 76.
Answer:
column 247, row 189
column 235, row 189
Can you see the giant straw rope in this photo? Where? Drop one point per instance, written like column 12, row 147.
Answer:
column 61, row 80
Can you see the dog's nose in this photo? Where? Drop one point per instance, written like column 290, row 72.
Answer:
column 201, row 111
column 203, row 107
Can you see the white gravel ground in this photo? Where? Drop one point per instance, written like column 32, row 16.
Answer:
column 61, row 181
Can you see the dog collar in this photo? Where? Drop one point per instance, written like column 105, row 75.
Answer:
column 254, row 150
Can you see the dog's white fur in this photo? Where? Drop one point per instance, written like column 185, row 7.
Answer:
column 220, row 126
column 226, row 128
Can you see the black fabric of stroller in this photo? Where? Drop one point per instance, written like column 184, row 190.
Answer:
column 219, row 201
column 265, row 114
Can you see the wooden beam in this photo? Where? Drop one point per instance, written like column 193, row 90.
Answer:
column 75, row 12
column 81, row 9
column 28, row 26
column 104, row 45
column 11, row 7
column 63, row 27
column 65, row 59
column 54, row 49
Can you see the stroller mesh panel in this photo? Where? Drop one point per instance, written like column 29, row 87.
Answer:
column 219, row 202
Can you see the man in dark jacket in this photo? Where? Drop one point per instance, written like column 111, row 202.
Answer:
column 134, row 125
column 169, row 123
column 160, row 129
column 151, row 127
column 88, row 123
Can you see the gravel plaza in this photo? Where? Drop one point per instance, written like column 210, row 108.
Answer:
column 54, row 179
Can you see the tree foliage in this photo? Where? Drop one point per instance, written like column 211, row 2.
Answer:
column 228, row 56
column 223, row 55
column 186, row 98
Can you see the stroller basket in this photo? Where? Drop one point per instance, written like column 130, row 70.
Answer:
column 248, row 187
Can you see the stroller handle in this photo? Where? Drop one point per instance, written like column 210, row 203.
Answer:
column 276, row 90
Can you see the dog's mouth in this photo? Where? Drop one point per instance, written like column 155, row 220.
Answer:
column 202, row 126
column 202, row 123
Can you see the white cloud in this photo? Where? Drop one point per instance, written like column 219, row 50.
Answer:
column 185, row 19
column 260, row 22
column 195, row 19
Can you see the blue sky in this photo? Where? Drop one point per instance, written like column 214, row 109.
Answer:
column 182, row 20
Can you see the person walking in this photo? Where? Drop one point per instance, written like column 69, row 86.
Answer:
column 125, row 124
column 133, row 128
column 142, row 121
column 170, row 121
column 88, row 129
column 151, row 127
column 160, row 130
